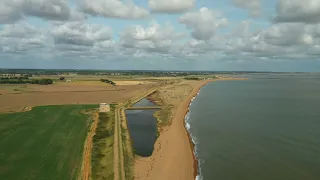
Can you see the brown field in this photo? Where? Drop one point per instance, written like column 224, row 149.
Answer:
column 15, row 97
column 133, row 82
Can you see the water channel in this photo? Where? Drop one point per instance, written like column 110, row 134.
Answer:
column 142, row 128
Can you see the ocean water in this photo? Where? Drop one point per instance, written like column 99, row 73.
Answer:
column 265, row 128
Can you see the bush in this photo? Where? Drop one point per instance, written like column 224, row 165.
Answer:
column 108, row 81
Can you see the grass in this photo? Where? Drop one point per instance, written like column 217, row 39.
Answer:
column 44, row 143
column 128, row 156
column 164, row 115
column 102, row 152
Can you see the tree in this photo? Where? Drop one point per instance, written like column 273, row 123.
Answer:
column 108, row 81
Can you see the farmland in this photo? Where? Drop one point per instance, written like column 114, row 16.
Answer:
column 75, row 89
column 15, row 97
column 44, row 143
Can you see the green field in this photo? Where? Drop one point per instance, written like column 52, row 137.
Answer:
column 44, row 144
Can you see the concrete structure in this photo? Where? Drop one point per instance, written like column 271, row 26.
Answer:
column 143, row 107
column 104, row 107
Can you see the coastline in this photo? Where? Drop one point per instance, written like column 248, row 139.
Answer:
column 174, row 151
column 195, row 92
column 191, row 97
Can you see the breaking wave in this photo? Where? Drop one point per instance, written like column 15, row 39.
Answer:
column 193, row 139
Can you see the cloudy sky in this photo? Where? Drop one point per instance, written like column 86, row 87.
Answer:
column 266, row 35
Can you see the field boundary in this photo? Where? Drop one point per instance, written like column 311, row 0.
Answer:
column 86, row 172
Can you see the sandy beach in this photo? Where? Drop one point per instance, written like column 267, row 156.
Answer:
column 173, row 157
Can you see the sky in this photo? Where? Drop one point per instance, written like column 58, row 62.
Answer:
column 218, row 35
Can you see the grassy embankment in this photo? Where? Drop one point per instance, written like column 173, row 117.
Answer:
column 164, row 115
column 44, row 143
column 128, row 155
column 128, row 151
column 102, row 152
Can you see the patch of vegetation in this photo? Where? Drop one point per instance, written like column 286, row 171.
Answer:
column 44, row 143
column 164, row 115
column 24, row 80
column 108, row 81
column 102, row 152
column 192, row 78
column 128, row 156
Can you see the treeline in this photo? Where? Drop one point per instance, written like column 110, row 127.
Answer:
column 108, row 81
column 192, row 78
column 6, row 80
column 14, row 77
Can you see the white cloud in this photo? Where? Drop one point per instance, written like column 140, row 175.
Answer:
column 58, row 10
column 8, row 13
column 113, row 8
column 203, row 23
column 63, row 40
column 74, row 40
column 86, row 41
column 306, row 11
column 80, row 33
column 253, row 6
column 22, row 37
column 314, row 29
column 48, row 9
column 153, row 39
column 287, row 35
column 278, row 42
column 171, row 6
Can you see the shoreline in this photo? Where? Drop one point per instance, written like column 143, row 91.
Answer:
column 192, row 96
column 174, row 154
column 195, row 92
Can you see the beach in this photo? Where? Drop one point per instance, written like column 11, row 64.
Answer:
column 173, row 155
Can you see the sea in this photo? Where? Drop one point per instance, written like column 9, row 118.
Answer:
column 263, row 128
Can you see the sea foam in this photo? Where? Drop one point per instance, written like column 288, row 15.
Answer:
column 193, row 139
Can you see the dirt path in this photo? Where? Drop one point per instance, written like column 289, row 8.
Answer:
column 122, row 173
column 118, row 150
column 88, row 148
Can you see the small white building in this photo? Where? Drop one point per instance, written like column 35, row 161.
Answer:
column 104, row 107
